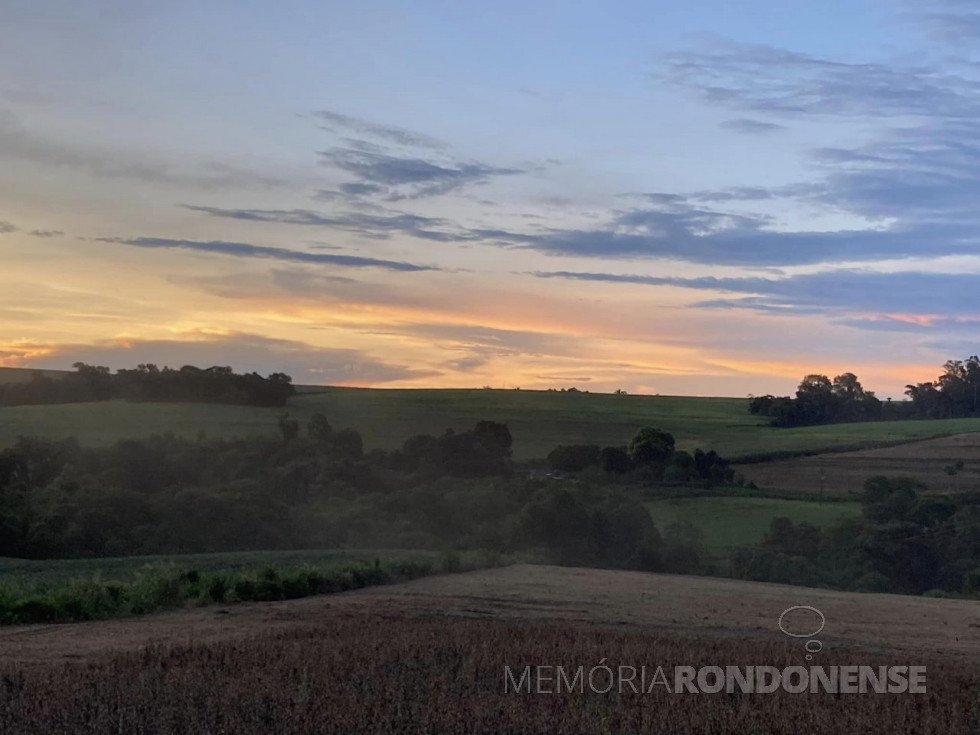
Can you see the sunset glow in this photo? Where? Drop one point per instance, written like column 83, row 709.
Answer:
column 646, row 196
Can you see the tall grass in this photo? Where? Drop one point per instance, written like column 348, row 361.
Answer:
column 166, row 586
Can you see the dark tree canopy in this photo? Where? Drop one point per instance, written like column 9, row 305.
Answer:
column 147, row 382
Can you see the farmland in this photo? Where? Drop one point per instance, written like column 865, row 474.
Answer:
column 75, row 590
column 431, row 655
column 946, row 465
column 726, row 522
column 538, row 420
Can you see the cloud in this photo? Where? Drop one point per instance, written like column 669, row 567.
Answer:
column 409, row 177
column 752, row 127
column 374, row 226
column 7, row 227
column 765, row 79
column 338, row 123
column 306, row 363
column 356, row 189
column 393, row 164
column 247, row 250
column 926, row 173
column 955, row 22
column 860, row 298
column 680, row 230
column 17, row 141
column 47, row 233
column 704, row 236
column 488, row 341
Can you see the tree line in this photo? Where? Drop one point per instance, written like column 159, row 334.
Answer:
column 820, row 400
column 314, row 486
column 147, row 382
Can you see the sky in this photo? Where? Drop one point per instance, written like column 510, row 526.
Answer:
column 706, row 198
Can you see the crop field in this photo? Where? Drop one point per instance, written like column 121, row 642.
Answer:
column 431, row 656
column 44, row 574
column 60, row 591
column 946, row 465
column 538, row 420
column 726, row 522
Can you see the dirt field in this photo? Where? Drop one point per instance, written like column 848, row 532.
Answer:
column 655, row 603
column 846, row 472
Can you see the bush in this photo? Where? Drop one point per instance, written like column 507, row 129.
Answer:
column 573, row 457
column 217, row 588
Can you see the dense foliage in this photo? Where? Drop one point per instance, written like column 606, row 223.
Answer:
column 821, row 401
column 903, row 542
column 189, row 384
column 318, row 489
column 954, row 394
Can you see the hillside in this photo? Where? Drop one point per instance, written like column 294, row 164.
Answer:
column 946, row 465
column 23, row 375
column 635, row 601
column 538, row 420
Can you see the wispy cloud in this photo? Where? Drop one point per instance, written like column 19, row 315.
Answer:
column 7, row 227
column 346, row 124
column 369, row 225
column 752, row 127
column 406, row 176
column 765, row 79
column 850, row 295
column 20, row 142
column 247, row 250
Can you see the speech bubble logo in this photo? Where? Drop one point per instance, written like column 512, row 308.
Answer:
column 803, row 621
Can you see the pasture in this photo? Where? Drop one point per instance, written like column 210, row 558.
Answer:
column 538, row 420
column 726, row 522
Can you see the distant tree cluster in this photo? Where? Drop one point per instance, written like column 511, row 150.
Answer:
column 820, row 400
column 954, row 394
column 481, row 451
column 189, row 384
column 903, row 542
column 652, row 452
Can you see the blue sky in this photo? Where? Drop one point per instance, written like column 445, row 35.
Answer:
column 699, row 198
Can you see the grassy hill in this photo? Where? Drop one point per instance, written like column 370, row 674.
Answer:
column 728, row 522
column 538, row 420
column 22, row 375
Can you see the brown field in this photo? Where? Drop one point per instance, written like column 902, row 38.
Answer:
column 845, row 472
column 429, row 656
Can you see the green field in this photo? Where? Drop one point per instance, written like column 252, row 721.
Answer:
column 538, row 420
column 729, row 522
column 90, row 589
column 45, row 574
column 22, row 375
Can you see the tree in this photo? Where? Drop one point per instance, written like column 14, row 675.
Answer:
column 348, row 443
column 815, row 400
column 650, row 446
column 318, row 428
column 289, row 428
column 615, row 459
column 494, row 437
column 574, row 457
